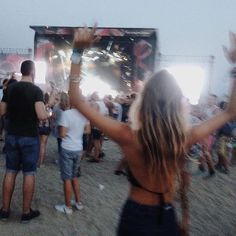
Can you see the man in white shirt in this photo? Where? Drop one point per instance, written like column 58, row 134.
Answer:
column 117, row 110
column 71, row 127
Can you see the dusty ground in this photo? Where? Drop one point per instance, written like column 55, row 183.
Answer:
column 213, row 201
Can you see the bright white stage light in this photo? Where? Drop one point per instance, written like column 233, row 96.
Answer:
column 92, row 84
column 41, row 69
column 191, row 79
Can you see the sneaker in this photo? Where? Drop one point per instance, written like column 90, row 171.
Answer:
column 120, row 172
column 25, row 218
column 78, row 205
column 218, row 167
column 201, row 168
column 101, row 154
column 4, row 215
column 212, row 172
column 225, row 171
column 64, row 209
column 93, row 160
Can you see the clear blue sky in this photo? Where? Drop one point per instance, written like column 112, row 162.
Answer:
column 186, row 27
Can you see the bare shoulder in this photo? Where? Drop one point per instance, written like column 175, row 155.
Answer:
column 126, row 135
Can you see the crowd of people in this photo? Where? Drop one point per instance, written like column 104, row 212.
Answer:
column 217, row 151
column 156, row 129
column 76, row 136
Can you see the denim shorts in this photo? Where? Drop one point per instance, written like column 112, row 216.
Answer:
column 22, row 153
column 143, row 220
column 69, row 163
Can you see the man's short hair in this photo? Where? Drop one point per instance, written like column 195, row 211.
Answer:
column 27, row 67
column 4, row 81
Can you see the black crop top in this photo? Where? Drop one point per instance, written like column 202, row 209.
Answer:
column 136, row 183
column 163, row 206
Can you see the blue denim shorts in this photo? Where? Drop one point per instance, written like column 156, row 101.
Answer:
column 22, row 153
column 69, row 163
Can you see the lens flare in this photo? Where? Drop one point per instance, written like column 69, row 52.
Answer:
column 92, row 84
column 191, row 79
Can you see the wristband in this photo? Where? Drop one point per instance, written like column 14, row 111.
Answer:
column 233, row 72
column 78, row 50
column 76, row 57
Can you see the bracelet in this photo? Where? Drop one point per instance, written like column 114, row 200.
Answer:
column 74, row 78
column 75, row 81
column 233, row 72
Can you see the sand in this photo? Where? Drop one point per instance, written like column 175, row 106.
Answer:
column 212, row 201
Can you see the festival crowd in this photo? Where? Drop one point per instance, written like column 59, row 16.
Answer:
column 158, row 131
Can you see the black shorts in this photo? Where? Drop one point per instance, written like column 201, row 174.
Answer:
column 96, row 133
column 142, row 220
column 44, row 130
column 85, row 141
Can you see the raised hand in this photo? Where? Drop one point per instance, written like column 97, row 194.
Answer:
column 84, row 38
column 231, row 56
column 230, row 53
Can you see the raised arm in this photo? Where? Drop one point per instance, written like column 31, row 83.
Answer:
column 41, row 110
column 200, row 131
column 117, row 131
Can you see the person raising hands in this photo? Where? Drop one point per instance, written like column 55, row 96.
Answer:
column 154, row 144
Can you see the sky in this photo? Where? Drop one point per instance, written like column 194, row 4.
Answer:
column 185, row 27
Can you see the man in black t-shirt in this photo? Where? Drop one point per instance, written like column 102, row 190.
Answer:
column 23, row 104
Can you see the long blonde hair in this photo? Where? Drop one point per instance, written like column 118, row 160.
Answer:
column 161, row 132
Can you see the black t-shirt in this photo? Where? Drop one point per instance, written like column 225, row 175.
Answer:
column 20, row 98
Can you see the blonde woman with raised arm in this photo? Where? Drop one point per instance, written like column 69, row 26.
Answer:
column 154, row 145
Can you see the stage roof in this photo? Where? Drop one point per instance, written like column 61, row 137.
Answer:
column 103, row 31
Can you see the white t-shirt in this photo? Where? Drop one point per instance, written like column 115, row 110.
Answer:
column 118, row 110
column 102, row 108
column 75, row 122
column 1, row 94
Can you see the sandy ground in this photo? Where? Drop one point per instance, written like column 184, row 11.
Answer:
column 213, row 201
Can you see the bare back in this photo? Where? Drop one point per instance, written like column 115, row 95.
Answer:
column 135, row 159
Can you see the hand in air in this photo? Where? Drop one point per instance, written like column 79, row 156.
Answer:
column 85, row 37
column 230, row 53
column 231, row 56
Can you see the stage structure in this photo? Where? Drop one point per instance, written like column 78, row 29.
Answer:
column 11, row 59
column 122, row 59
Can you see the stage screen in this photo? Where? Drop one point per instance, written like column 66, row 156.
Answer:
column 121, row 59
column 11, row 59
